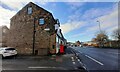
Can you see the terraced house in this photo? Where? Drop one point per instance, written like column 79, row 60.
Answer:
column 32, row 30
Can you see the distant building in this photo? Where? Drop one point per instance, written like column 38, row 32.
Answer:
column 22, row 27
column 70, row 44
column 91, row 43
column 3, row 32
column 77, row 43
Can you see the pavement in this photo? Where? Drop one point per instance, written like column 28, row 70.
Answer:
column 66, row 62
column 99, row 59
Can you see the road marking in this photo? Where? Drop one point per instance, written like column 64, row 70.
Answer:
column 72, row 59
column 84, row 67
column 81, row 63
column 94, row 60
column 73, row 62
column 79, row 60
column 41, row 67
column 76, row 57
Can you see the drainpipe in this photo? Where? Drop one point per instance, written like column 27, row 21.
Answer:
column 33, row 37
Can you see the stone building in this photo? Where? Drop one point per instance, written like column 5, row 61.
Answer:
column 31, row 27
column 3, row 32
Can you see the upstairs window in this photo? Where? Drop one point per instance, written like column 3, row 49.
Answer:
column 41, row 21
column 29, row 10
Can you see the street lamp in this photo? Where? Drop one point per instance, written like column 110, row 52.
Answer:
column 100, row 32
column 99, row 25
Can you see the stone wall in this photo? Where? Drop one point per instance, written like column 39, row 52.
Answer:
column 3, row 32
column 20, row 35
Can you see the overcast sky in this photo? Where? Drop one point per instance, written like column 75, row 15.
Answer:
column 77, row 17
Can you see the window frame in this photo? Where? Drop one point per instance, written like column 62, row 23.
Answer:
column 41, row 21
column 29, row 10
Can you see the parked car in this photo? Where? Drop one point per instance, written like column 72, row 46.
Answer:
column 8, row 51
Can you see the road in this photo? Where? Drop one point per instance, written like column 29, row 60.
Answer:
column 67, row 62
column 99, row 59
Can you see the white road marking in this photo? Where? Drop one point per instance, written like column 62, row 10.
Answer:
column 73, row 62
column 76, row 57
column 72, row 59
column 84, row 67
column 79, row 60
column 41, row 67
column 94, row 60
column 81, row 63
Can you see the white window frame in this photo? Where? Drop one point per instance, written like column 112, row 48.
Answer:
column 29, row 10
column 41, row 21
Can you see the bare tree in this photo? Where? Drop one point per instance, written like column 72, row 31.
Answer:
column 102, row 38
column 116, row 34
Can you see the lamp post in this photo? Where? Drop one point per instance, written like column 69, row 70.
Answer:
column 100, row 32
column 99, row 26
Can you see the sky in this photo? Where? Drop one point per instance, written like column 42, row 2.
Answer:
column 78, row 18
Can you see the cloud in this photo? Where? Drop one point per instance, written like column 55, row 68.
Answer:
column 18, row 4
column 79, row 34
column 108, row 21
column 5, row 15
column 10, row 11
column 69, row 26
column 95, row 12
column 86, row 18
column 84, row 0
column 75, row 17
column 15, row 5
column 75, row 5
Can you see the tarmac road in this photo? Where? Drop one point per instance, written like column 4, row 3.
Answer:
column 66, row 62
column 96, row 59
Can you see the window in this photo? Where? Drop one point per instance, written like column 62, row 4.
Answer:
column 29, row 10
column 41, row 21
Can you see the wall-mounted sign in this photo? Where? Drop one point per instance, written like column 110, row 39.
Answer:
column 47, row 29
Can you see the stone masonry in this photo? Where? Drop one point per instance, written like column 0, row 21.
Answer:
column 21, row 30
column 3, row 32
